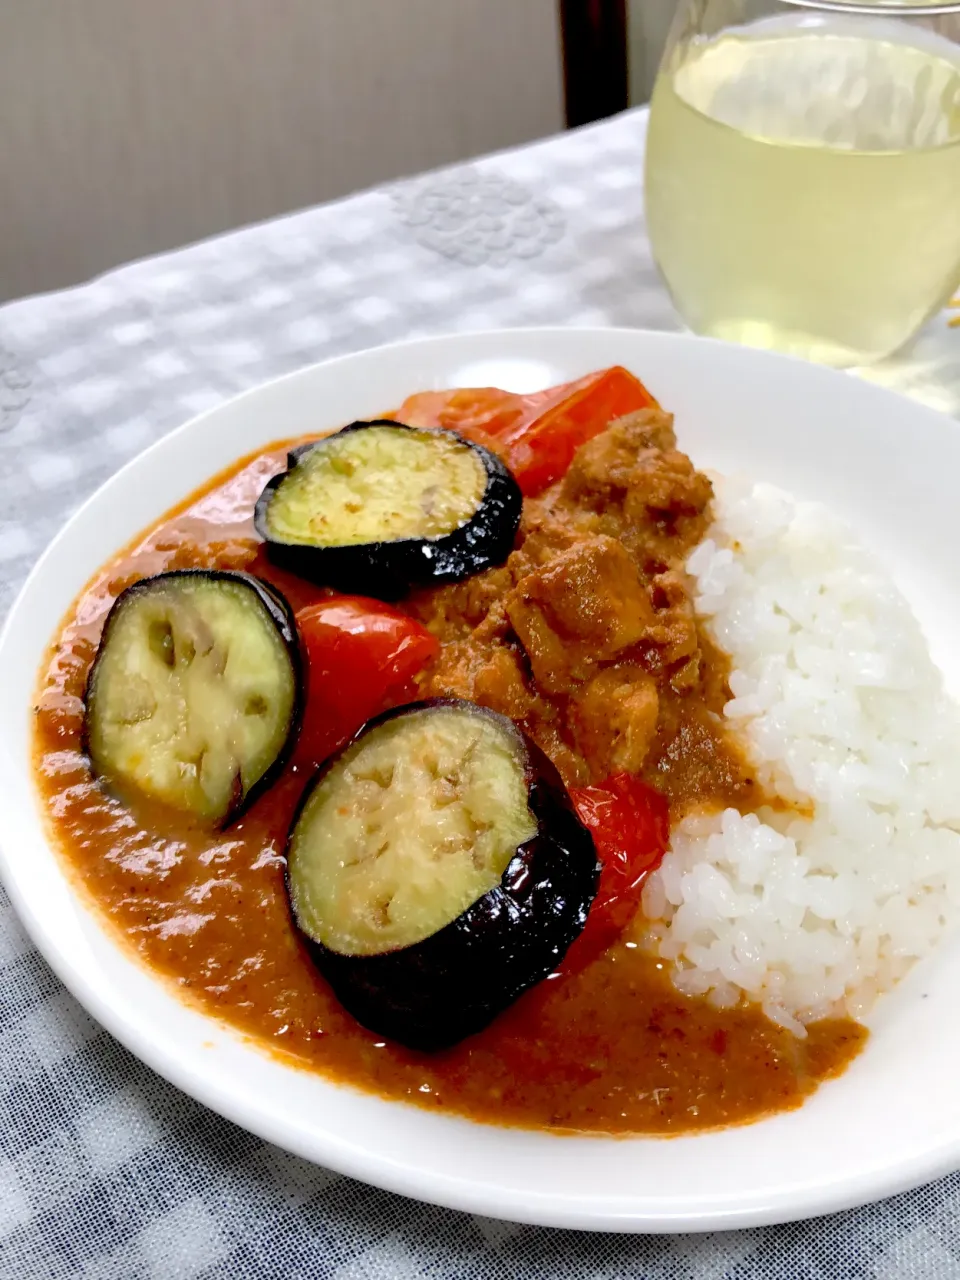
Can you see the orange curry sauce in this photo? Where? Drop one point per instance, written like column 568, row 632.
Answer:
column 611, row 1049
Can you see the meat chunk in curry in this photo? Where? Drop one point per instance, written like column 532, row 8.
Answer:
column 587, row 635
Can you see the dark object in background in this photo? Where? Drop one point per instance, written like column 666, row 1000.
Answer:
column 595, row 64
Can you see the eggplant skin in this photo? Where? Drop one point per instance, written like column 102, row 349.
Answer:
column 388, row 570
column 433, row 994
column 280, row 614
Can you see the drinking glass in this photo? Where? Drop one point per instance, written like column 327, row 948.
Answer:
column 803, row 172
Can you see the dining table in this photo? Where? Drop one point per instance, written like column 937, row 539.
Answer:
column 106, row 1170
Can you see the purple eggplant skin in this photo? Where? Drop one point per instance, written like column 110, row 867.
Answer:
column 283, row 618
column 388, row 570
column 433, row 994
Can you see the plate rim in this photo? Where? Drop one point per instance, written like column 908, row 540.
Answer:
column 545, row 1209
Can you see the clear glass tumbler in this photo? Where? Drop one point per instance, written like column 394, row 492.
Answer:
column 803, row 172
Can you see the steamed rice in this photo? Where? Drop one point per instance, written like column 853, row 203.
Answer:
column 839, row 704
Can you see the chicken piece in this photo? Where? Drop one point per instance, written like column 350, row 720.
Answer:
column 550, row 736
column 583, row 608
column 453, row 612
column 641, row 490
column 483, row 672
column 606, row 465
column 665, row 489
column 675, row 631
column 491, row 673
column 645, row 429
column 614, row 719
column 544, row 536
column 501, row 685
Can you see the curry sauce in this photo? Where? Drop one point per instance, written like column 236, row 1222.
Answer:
column 609, row 1048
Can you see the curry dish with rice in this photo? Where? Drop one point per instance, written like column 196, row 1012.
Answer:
column 586, row 638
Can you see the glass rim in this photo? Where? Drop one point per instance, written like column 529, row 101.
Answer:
column 895, row 9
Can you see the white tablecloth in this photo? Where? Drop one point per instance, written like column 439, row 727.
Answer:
column 105, row 1170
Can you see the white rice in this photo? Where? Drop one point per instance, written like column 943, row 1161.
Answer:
column 840, row 704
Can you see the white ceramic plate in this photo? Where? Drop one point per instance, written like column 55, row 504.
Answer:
column 892, row 1121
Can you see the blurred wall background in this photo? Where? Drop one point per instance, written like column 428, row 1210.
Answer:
column 132, row 126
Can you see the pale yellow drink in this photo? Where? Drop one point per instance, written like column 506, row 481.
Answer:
column 803, row 185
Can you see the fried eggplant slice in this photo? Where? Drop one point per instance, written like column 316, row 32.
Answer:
column 194, row 698
column 379, row 508
column 437, row 871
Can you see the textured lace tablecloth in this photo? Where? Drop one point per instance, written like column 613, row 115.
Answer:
column 105, row 1170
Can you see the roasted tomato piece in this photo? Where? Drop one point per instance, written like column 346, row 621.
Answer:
column 536, row 434
column 362, row 656
column 630, row 823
